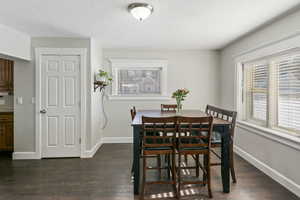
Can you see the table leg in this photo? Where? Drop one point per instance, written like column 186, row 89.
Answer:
column 225, row 168
column 136, row 158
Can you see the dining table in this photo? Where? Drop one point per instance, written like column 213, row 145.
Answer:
column 219, row 125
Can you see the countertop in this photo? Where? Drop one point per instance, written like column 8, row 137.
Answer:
column 6, row 112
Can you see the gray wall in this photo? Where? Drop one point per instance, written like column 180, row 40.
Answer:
column 96, row 105
column 195, row 70
column 284, row 159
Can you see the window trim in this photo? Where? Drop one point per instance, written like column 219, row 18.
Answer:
column 269, row 130
column 117, row 64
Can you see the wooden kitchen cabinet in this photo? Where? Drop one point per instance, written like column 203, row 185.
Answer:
column 6, row 132
column 6, row 75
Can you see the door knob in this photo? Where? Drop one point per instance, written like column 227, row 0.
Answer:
column 43, row 111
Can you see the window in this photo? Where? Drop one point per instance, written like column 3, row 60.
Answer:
column 139, row 82
column 271, row 92
column 139, row 78
column 257, row 79
column 289, row 92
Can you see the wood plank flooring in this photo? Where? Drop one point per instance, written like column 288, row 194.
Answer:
column 107, row 177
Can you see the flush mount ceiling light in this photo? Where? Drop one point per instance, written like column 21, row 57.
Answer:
column 140, row 11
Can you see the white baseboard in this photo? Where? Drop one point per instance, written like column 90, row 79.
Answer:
column 34, row 155
column 25, row 156
column 93, row 151
column 117, row 140
column 284, row 181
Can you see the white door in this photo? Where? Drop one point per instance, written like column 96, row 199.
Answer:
column 60, row 106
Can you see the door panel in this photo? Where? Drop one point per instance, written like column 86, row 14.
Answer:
column 69, row 91
column 52, row 91
column 52, row 131
column 70, row 128
column 60, row 99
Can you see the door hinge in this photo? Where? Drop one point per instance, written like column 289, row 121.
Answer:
column 79, row 140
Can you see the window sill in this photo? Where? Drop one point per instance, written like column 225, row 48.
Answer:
column 144, row 98
column 275, row 135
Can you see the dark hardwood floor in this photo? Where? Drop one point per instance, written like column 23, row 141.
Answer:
column 107, row 177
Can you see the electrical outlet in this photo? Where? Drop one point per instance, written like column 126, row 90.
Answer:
column 20, row 100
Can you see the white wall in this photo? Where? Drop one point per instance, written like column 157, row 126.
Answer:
column 195, row 70
column 96, row 107
column 14, row 43
column 279, row 160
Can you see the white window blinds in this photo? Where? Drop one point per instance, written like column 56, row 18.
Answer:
column 257, row 83
column 259, row 91
column 289, row 92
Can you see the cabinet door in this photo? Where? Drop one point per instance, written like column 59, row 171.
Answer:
column 10, row 77
column 9, row 130
column 2, row 136
column 6, row 75
column 6, row 136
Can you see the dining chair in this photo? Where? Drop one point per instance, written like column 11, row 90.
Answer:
column 133, row 114
column 172, row 108
column 168, row 107
column 194, row 144
column 159, row 138
column 216, row 137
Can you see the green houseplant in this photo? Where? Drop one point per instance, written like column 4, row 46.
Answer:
column 180, row 96
column 104, row 77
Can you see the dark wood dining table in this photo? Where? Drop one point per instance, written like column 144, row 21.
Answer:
column 219, row 125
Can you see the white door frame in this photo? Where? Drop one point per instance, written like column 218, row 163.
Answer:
column 39, row 52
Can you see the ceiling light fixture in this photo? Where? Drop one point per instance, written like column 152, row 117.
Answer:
column 140, row 11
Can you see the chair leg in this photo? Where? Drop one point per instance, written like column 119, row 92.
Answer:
column 205, row 164
column 232, row 165
column 197, row 165
column 179, row 176
column 174, row 174
column 132, row 171
column 159, row 165
column 143, row 179
column 208, row 177
column 169, row 165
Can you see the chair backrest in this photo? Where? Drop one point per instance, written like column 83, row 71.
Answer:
column 159, row 131
column 220, row 113
column 168, row 107
column 194, row 132
column 133, row 112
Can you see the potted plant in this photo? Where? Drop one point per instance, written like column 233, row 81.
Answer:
column 180, row 96
column 102, row 79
